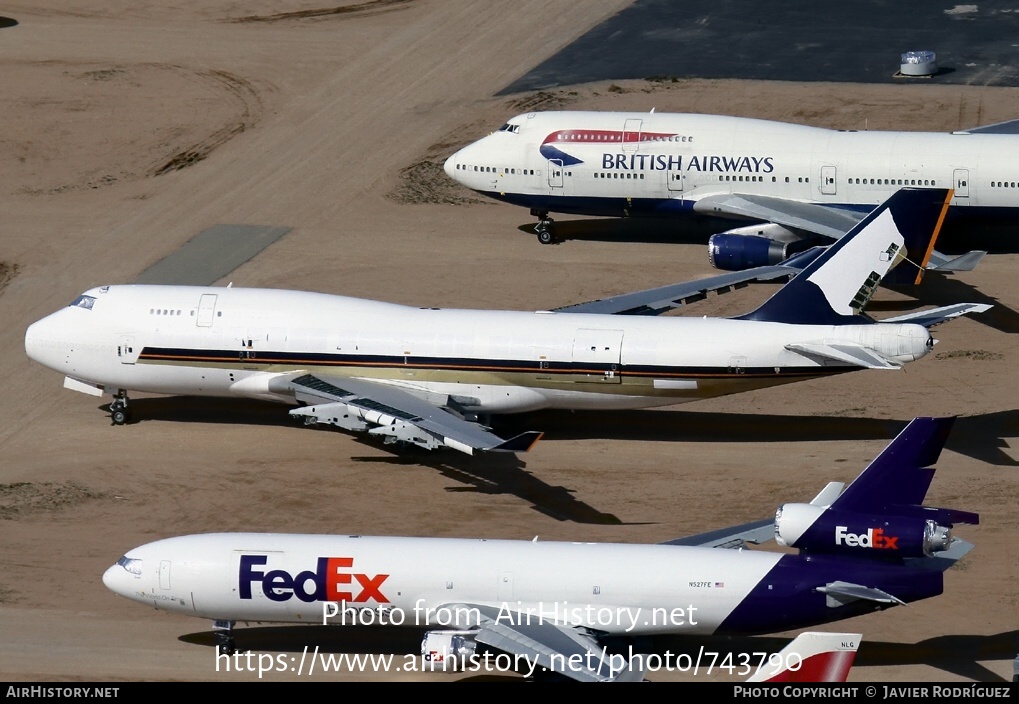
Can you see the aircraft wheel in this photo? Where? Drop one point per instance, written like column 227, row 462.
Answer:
column 120, row 416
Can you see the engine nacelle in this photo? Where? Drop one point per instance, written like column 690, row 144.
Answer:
column 751, row 246
column 816, row 529
column 448, row 649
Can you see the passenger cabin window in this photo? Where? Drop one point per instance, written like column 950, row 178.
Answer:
column 85, row 302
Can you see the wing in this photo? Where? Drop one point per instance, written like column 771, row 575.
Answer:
column 733, row 537
column 398, row 415
column 655, row 301
column 566, row 651
column 808, row 217
column 1007, row 127
column 828, row 221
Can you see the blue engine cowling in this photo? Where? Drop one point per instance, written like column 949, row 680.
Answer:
column 732, row 252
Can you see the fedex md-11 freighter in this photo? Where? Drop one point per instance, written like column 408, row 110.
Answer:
column 793, row 182
column 862, row 548
column 426, row 376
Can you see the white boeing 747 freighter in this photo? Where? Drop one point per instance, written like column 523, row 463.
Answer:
column 427, row 376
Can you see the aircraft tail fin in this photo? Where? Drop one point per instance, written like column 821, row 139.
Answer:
column 900, row 475
column 881, row 515
column 835, row 287
column 920, row 236
column 811, row 657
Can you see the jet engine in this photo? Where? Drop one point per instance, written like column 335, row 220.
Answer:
column 820, row 530
column 751, row 246
column 448, row 650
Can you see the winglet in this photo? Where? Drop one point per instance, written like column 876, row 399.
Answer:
column 812, row 657
column 835, row 287
column 519, row 443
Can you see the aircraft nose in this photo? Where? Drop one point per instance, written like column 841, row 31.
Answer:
column 450, row 166
column 124, row 577
column 114, row 578
column 39, row 343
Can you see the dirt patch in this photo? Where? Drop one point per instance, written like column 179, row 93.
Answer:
column 426, row 182
column 244, row 97
column 58, row 136
column 979, row 355
column 543, row 100
column 7, row 272
column 372, row 7
column 22, row 499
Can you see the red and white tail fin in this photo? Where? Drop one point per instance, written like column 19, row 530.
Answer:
column 811, row 657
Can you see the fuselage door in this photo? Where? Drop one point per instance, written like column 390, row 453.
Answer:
column 555, row 173
column 206, row 310
column 828, row 180
column 631, row 135
column 597, row 354
column 127, row 350
column 164, row 574
column 675, row 179
column 961, row 180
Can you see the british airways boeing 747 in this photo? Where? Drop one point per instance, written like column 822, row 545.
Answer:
column 778, row 185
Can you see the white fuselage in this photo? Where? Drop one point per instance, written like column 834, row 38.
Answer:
column 235, row 342
column 608, row 163
column 609, row 588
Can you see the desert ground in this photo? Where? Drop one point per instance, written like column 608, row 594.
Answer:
column 131, row 126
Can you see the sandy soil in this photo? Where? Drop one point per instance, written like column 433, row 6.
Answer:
column 131, row 126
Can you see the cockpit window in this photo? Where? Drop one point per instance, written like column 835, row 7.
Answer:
column 132, row 565
column 83, row 302
column 509, row 127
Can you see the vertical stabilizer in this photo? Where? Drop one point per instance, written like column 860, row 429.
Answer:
column 836, row 287
column 812, row 657
column 900, row 475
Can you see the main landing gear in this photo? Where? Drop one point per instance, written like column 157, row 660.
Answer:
column 119, row 412
column 543, row 229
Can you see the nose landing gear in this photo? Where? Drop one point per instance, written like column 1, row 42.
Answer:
column 120, row 414
column 543, row 229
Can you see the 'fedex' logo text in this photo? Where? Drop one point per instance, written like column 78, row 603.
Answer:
column 873, row 538
column 329, row 582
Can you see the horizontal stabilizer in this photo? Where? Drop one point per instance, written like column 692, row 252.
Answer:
column 943, row 560
column 964, row 262
column 844, row 592
column 755, row 532
column 936, row 316
column 846, row 353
